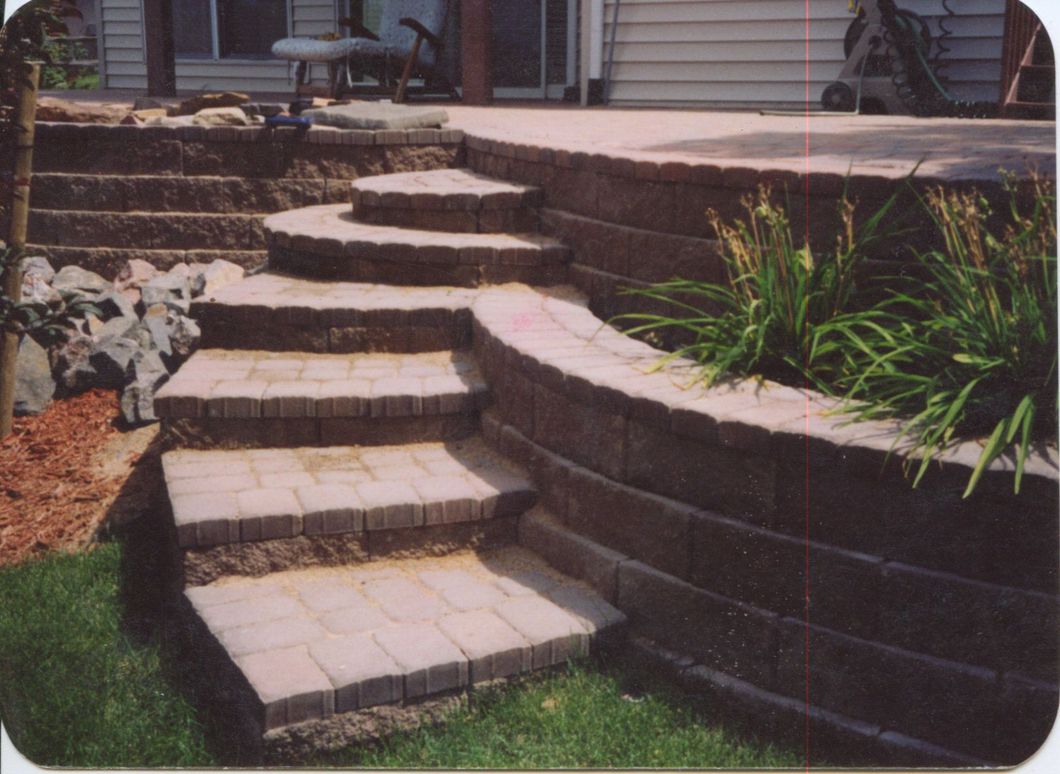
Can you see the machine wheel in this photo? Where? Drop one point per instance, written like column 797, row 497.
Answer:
column 838, row 97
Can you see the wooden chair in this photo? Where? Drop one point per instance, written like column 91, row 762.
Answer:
column 411, row 36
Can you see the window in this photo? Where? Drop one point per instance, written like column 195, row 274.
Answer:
column 239, row 29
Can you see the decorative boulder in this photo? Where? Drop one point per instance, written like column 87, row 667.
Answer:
column 135, row 274
column 170, row 121
column 155, row 320
column 71, row 363
column 111, row 359
column 171, row 289
column 34, row 385
column 231, row 116
column 74, row 279
column 39, row 267
column 145, row 375
column 114, row 304
column 37, row 290
column 184, row 334
column 66, row 111
column 208, row 278
column 208, row 101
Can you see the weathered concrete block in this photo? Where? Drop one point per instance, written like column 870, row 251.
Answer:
column 927, row 698
column 572, row 553
column 768, row 570
column 644, row 526
column 585, row 434
column 720, row 633
column 726, row 480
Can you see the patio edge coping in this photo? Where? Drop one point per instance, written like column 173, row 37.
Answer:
column 626, row 376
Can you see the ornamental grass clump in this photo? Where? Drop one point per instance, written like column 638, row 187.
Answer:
column 764, row 320
column 969, row 350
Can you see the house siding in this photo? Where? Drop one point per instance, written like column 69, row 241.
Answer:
column 123, row 47
column 735, row 53
column 121, row 34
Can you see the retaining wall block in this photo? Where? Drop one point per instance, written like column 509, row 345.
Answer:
column 954, row 705
column 646, row 527
column 768, row 570
column 730, row 481
column 582, row 433
column 721, row 634
column 570, row 553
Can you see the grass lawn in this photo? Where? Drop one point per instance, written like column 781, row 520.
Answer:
column 82, row 683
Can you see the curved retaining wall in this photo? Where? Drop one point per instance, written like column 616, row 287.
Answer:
column 103, row 194
column 932, row 619
column 635, row 221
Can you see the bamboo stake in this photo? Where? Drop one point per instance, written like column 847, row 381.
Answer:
column 12, row 279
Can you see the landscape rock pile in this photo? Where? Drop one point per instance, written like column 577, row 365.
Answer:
column 141, row 335
column 229, row 108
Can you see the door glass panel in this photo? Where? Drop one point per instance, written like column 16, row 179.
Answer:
column 517, row 44
column 556, row 41
column 248, row 28
column 191, row 28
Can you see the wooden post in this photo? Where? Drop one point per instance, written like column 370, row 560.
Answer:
column 12, row 279
column 399, row 96
column 158, row 44
column 476, row 57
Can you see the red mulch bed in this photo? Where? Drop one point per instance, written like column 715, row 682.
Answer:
column 51, row 485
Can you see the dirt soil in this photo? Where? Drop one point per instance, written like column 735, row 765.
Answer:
column 72, row 473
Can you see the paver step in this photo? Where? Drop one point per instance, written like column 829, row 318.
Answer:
column 147, row 230
column 306, row 646
column 261, row 398
column 327, row 242
column 278, row 312
column 456, row 200
column 170, row 193
column 248, row 495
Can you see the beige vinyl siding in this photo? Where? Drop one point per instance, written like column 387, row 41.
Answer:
column 122, row 28
column 753, row 54
column 233, row 74
column 310, row 18
column 122, row 50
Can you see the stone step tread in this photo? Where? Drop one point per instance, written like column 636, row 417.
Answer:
column 246, row 495
column 311, row 644
column 340, row 300
column 331, row 231
column 242, row 384
column 442, row 189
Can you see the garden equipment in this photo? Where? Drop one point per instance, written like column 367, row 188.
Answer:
column 891, row 67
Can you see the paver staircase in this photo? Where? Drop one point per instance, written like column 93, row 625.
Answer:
column 327, row 472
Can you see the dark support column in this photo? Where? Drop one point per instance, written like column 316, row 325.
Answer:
column 476, row 36
column 158, row 44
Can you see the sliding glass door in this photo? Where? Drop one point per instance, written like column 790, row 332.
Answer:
column 533, row 47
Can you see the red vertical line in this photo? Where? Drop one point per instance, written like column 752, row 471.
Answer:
column 806, row 484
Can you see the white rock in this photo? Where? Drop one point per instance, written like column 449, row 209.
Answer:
column 134, row 274
column 214, row 276
column 224, row 116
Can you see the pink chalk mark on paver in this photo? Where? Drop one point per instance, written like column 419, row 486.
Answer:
column 524, row 321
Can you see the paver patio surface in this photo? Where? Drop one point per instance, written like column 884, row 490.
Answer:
column 890, row 146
